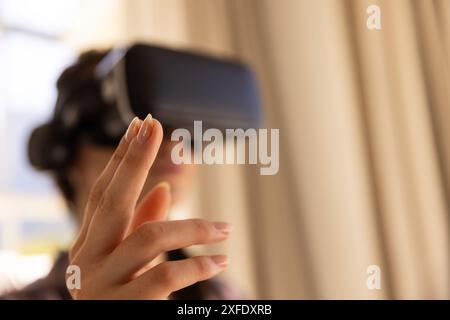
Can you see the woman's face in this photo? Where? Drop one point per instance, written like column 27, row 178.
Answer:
column 91, row 161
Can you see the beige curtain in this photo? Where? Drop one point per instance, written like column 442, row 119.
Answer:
column 365, row 161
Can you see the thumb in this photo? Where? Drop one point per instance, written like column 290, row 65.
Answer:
column 154, row 206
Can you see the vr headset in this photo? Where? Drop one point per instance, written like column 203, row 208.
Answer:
column 175, row 87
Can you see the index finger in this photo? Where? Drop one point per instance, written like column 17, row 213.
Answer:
column 115, row 209
column 103, row 181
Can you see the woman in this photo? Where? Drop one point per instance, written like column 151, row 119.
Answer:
column 125, row 248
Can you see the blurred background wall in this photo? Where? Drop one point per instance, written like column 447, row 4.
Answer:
column 363, row 114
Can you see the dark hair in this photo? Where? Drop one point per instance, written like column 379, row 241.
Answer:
column 80, row 74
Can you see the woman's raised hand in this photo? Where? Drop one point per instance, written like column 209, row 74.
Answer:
column 119, row 239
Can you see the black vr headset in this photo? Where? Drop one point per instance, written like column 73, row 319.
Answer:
column 175, row 87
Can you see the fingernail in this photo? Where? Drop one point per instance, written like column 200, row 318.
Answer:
column 223, row 227
column 146, row 129
column 164, row 184
column 133, row 129
column 221, row 260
